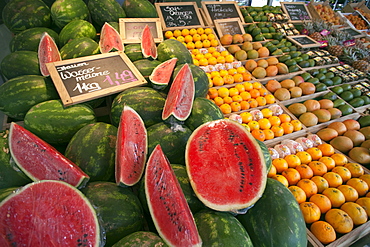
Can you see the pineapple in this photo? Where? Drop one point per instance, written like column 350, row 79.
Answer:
column 335, row 46
column 315, row 27
column 356, row 57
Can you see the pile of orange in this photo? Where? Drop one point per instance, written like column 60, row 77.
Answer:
column 194, row 38
column 211, row 56
column 333, row 193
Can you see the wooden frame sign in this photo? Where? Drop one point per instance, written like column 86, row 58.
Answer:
column 182, row 14
column 297, row 11
column 85, row 78
column 353, row 32
column 221, row 10
column 229, row 26
column 131, row 29
column 303, row 41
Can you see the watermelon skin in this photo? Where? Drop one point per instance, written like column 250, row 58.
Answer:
column 92, row 148
column 139, row 9
column 79, row 47
column 203, row 110
column 29, row 39
column 200, row 79
column 173, row 48
column 10, row 176
column 172, row 138
column 63, row 216
column 76, row 29
column 102, row 11
column 119, row 208
column 275, row 219
column 54, row 123
column 146, row 67
column 65, row 11
column 167, row 204
column 161, row 76
column 133, row 52
column 144, row 100
column 20, row 63
column 19, row 94
column 266, row 154
column 19, row 15
column 221, row 229
column 141, row 239
column 5, row 192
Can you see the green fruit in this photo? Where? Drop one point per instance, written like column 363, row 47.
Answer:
column 256, row 31
column 320, row 76
column 173, row 48
column 290, row 62
column 329, row 75
column 20, row 63
column 284, row 58
column 29, row 39
column 274, row 41
column 139, row 9
column 261, row 24
column 272, row 30
column 314, row 72
column 304, row 64
column 278, row 36
column 338, row 102
column 306, row 76
column 248, row 19
column 346, row 87
column 345, row 109
column 285, row 49
column 259, row 37
column 146, row 66
column 337, row 80
column 305, row 56
column 79, row 47
column 323, row 70
column 356, row 92
column 277, row 52
column 65, row 11
column 327, row 82
column 356, row 102
column 272, row 48
column 267, row 35
column 257, row 18
column 346, row 95
column 293, row 48
column 294, row 54
column 139, row 239
column 364, row 121
column 337, row 89
column 314, row 81
column 298, row 59
column 200, row 79
column 331, row 96
column 321, row 87
column 366, row 99
column 76, row 29
column 312, row 62
column 102, row 11
column 280, row 45
column 293, row 68
column 289, row 44
column 133, row 51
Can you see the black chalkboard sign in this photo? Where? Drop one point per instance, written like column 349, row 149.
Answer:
column 297, row 11
column 221, row 10
column 303, row 41
column 184, row 14
column 354, row 33
column 229, row 26
column 86, row 78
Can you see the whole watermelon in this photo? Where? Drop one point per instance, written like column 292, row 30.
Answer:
column 173, row 48
column 65, row 11
column 105, row 11
column 76, row 29
column 20, row 63
column 79, row 47
column 140, row 239
column 133, row 51
column 29, row 39
column 139, row 9
column 200, row 77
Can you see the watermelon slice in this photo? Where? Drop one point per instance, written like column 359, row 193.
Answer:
column 47, row 52
column 167, row 204
column 48, row 213
column 131, row 148
column 41, row 161
column 148, row 47
column 226, row 166
column 110, row 39
column 180, row 97
column 161, row 75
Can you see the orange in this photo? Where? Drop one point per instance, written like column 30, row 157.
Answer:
column 365, row 203
column 244, row 105
column 225, row 108
column 237, row 98
column 213, row 93
column 293, row 160
column 297, row 125
column 281, row 179
column 185, row 32
column 221, row 59
column 304, row 157
column 253, row 125
column 322, row 201
column 258, row 134
column 233, row 91
column 285, row 118
column 309, row 187
column 311, row 212
column 257, row 85
column 326, row 149
column 232, row 71
column 227, row 59
column 223, row 92
column 238, row 78
column 177, row 33
column 214, row 73
column 335, row 196
column 288, row 127
column 356, row 212
column 366, row 178
column 228, row 100
column 218, row 101
column 200, row 30
column 246, row 117
column 323, row 231
column 280, row 164
column 298, row 193
column 321, row 183
column 241, row 70
column 261, row 101
column 223, row 72
column 217, row 80
column 292, row 175
column 329, row 162
column 315, row 153
column 212, row 61
column 269, row 134
column 240, row 88
column 350, row 193
column 278, row 130
column 214, row 42
column 340, row 159
column 340, row 220
column 254, row 93
column 245, row 95
column 355, row 169
column 359, row 185
column 235, row 106
column 248, row 86
column 270, row 99
column 247, row 76
column 305, row 171
column 263, row 91
column 264, row 124
column 266, row 112
column 208, row 30
column 275, row 120
column 343, row 172
column 318, row 168
column 272, row 171
column 334, row 179
column 253, row 103
column 168, row 34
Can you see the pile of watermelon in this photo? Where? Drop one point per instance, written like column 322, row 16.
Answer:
column 163, row 168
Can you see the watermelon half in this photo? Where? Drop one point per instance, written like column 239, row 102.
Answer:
column 161, row 75
column 110, row 39
column 48, row 213
column 167, row 204
column 131, row 148
column 226, row 166
column 48, row 52
column 148, row 47
column 41, row 161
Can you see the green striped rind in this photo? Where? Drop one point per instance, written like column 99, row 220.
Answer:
column 221, row 229
column 203, row 110
column 54, row 123
column 65, row 11
column 76, row 29
column 19, row 94
column 139, row 9
column 79, row 47
column 92, row 148
column 200, row 77
column 29, row 39
column 20, row 63
column 105, row 11
column 173, row 48
column 141, row 239
column 172, row 138
column 146, row 101
column 275, row 219
column 19, row 15
column 10, row 175
column 133, row 51
column 5, row 192
column 146, row 67
column 119, row 208
column 266, row 154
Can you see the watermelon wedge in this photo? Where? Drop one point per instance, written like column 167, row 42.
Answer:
column 167, row 204
column 48, row 52
column 41, row 161
column 110, row 39
column 131, row 148
column 180, row 97
column 48, row 213
column 148, row 47
column 161, row 75
column 226, row 166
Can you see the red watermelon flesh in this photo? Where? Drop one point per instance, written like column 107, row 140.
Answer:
column 41, row 161
column 47, row 52
column 225, row 165
column 110, row 39
column 131, row 148
column 167, row 204
column 148, row 47
column 161, row 75
column 180, row 97
column 48, row 213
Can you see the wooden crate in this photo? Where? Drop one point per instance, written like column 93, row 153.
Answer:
column 316, row 15
column 351, row 7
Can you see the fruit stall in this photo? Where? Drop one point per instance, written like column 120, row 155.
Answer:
column 166, row 123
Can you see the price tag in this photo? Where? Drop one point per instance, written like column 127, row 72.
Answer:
column 297, row 11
